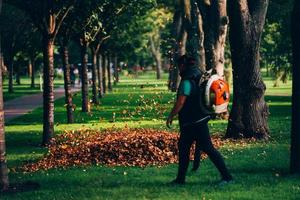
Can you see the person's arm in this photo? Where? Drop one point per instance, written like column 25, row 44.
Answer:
column 177, row 107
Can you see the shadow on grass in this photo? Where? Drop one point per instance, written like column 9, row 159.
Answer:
column 15, row 188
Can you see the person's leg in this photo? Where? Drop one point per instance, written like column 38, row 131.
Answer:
column 197, row 157
column 213, row 154
column 184, row 145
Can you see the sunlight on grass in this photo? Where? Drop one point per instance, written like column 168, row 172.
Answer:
column 260, row 168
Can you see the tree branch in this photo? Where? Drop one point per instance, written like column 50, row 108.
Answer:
column 60, row 21
column 152, row 45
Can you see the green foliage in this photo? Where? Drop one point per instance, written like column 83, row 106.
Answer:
column 276, row 41
column 126, row 33
column 13, row 23
column 275, row 52
column 129, row 32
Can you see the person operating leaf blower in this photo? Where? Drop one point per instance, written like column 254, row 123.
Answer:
column 193, row 122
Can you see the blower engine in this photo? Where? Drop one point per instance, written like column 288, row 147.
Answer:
column 216, row 94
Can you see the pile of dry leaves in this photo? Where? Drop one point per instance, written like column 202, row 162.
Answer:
column 124, row 147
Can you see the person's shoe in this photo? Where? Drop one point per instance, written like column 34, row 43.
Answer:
column 224, row 182
column 177, row 182
column 194, row 169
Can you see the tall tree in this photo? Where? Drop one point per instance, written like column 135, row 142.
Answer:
column 100, row 76
column 3, row 166
column 13, row 23
column 48, row 16
column 94, row 50
column 180, row 35
column 249, row 114
column 295, row 136
column 96, row 67
column 204, row 26
column 215, row 21
column 104, row 63
column 33, row 49
column 194, row 27
column 64, row 52
column 109, row 85
column 88, row 24
column 276, row 47
column 156, row 22
column 116, row 70
column 64, row 37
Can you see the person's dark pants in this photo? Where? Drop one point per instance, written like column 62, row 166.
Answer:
column 197, row 157
column 200, row 134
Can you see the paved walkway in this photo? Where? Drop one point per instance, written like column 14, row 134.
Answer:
column 22, row 105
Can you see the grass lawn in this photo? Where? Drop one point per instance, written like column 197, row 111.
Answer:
column 260, row 169
column 24, row 88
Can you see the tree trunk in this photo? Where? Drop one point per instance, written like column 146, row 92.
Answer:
column 48, row 94
column 32, row 61
column 10, row 75
column 215, row 21
column 67, row 83
column 194, row 27
column 158, row 66
column 3, row 165
column 116, row 71
column 179, row 46
column 84, row 78
column 29, row 68
column 94, row 77
column 249, row 114
column 155, row 50
column 109, row 86
column 18, row 76
column 100, row 76
column 171, row 68
column 104, row 73
column 295, row 136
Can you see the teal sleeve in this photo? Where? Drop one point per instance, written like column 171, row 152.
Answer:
column 185, row 88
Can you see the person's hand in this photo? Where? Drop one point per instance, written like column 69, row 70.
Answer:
column 169, row 121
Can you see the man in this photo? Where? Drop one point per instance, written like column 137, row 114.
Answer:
column 193, row 122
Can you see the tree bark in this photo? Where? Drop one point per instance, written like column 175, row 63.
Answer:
column 116, row 71
column 84, row 78
column 10, row 75
column 155, row 50
column 194, row 27
column 29, row 68
column 67, row 83
column 94, row 77
column 295, row 135
column 180, row 36
column 104, row 73
column 109, row 86
column 32, row 75
column 48, row 94
column 215, row 22
column 48, row 22
column 18, row 75
column 249, row 114
column 171, row 69
column 4, row 183
column 100, row 76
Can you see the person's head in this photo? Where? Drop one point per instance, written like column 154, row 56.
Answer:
column 184, row 63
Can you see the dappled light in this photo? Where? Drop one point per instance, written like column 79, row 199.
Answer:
column 149, row 99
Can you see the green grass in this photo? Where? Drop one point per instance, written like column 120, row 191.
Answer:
column 24, row 88
column 260, row 169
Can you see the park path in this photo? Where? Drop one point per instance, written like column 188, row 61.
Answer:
column 22, row 105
